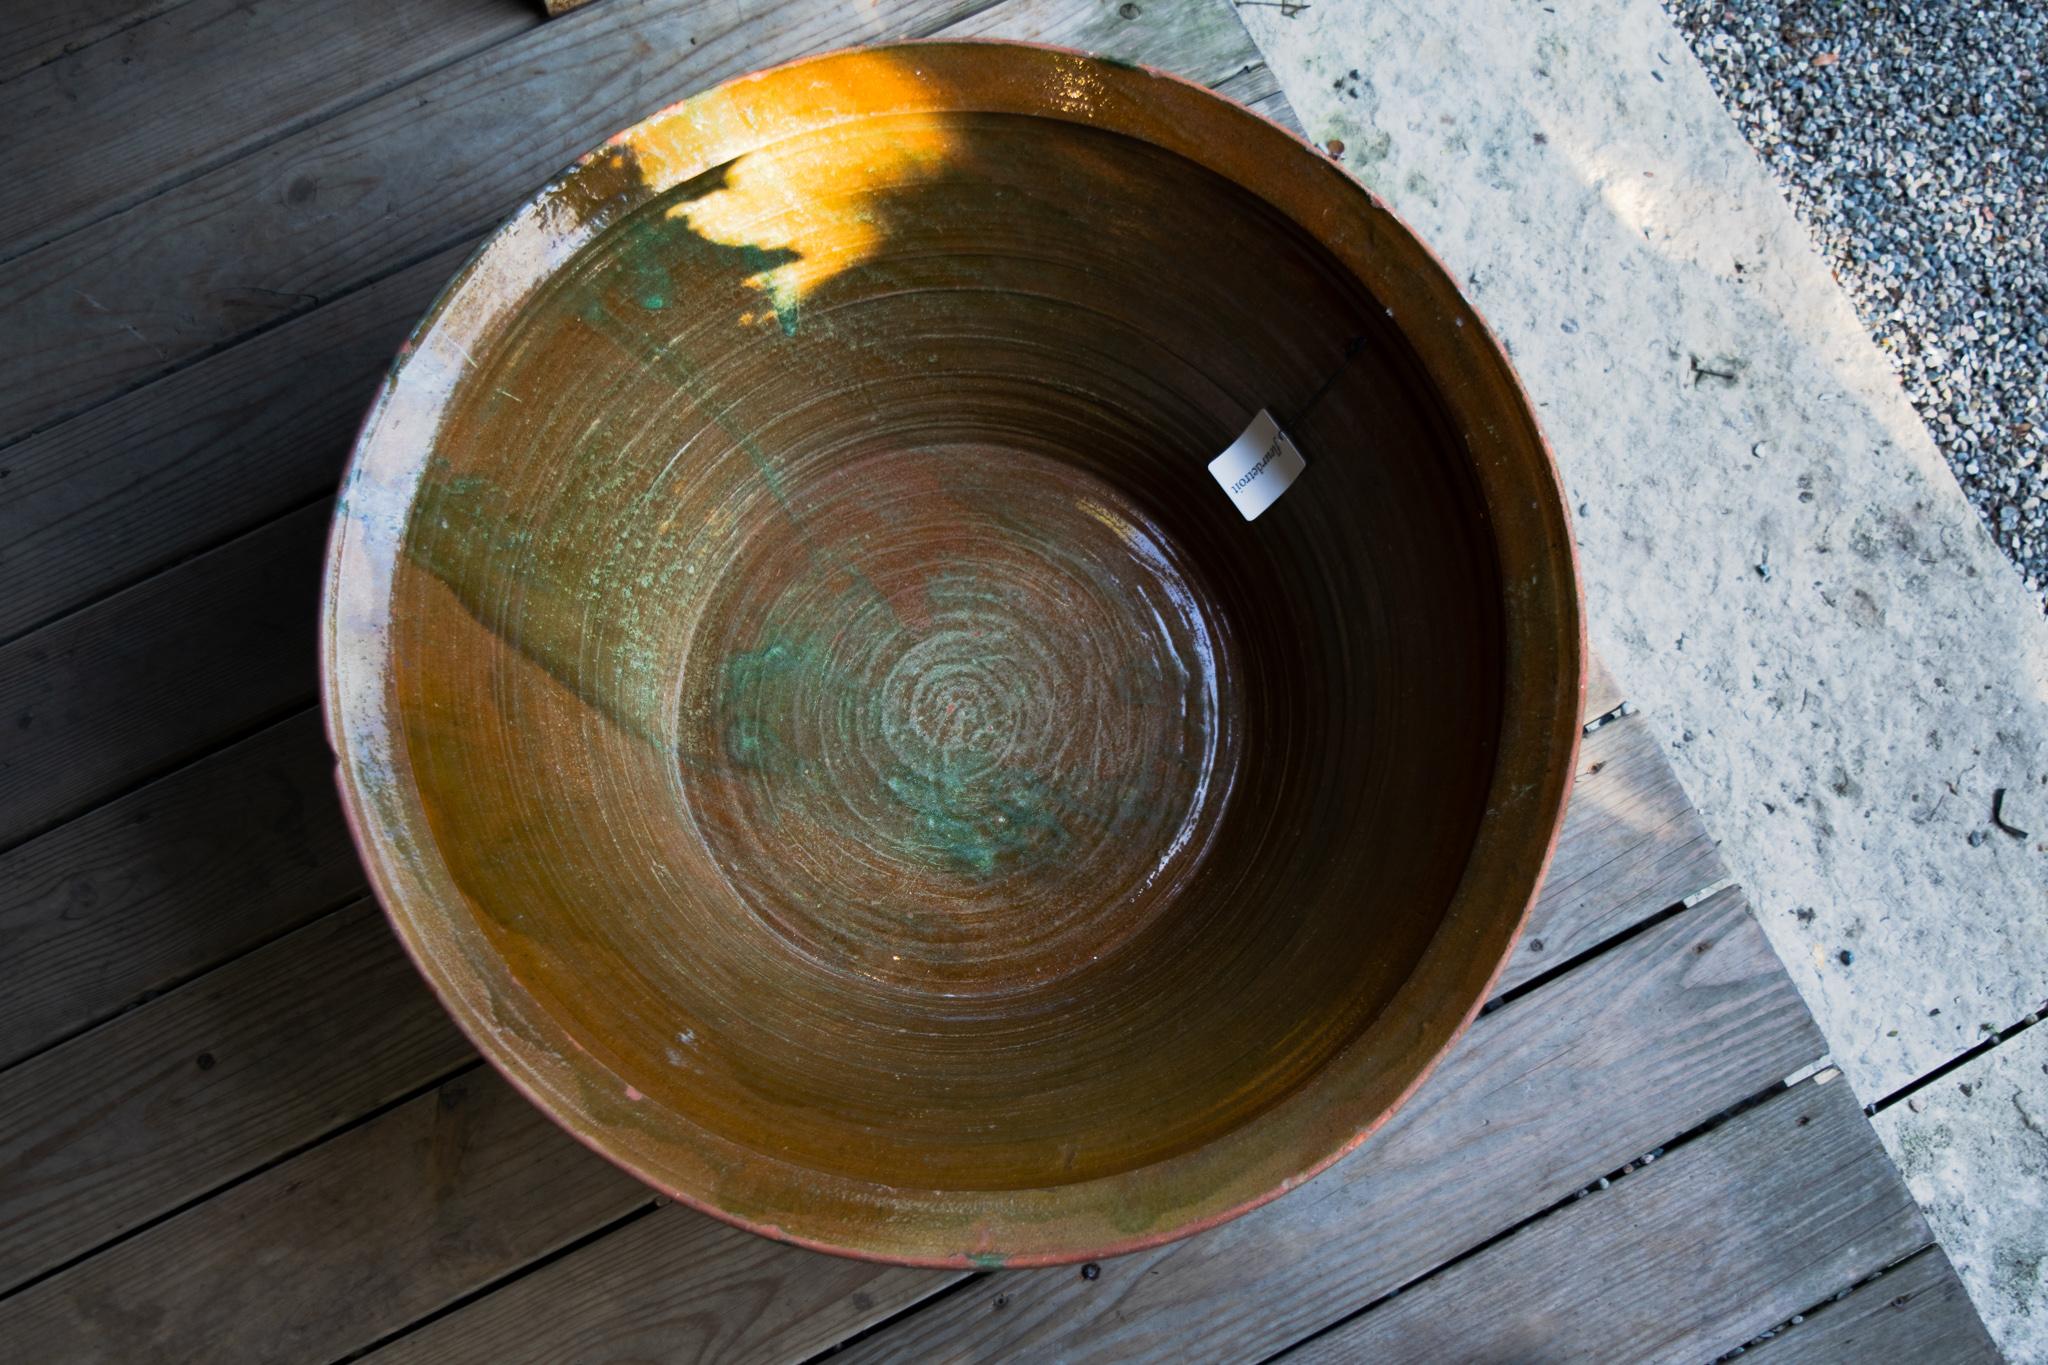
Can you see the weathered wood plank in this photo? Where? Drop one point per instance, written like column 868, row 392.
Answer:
column 1204, row 41
column 1603, row 691
column 1258, row 89
column 638, row 1286
column 33, row 32
column 113, row 123
column 339, row 1246
column 676, row 1285
column 184, row 1094
column 160, row 473
column 1539, row 1099
column 416, row 171
column 412, row 172
column 1276, row 108
column 1725, row 1237
column 159, row 674
column 194, row 869
column 1919, row 1311
column 1632, row 846
column 1650, row 1038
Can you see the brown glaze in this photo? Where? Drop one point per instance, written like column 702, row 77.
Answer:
column 816, row 722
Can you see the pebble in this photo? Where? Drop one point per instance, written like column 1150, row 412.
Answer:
column 1909, row 139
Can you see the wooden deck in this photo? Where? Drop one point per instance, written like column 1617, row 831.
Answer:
column 233, row 1123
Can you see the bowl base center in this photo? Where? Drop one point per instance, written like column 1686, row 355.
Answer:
column 964, row 716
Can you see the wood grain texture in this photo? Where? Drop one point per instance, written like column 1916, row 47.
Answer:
column 182, row 1095
column 1918, row 1311
column 37, row 31
column 205, row 453
column 1540, row 1098
column 413, row 172
column 1725, row 1237
column 437, row 162
column 204, row 82
column 674, row 1286
column 1632, row 845
column 159, row 674
column 172, row 879
column 341, row 1245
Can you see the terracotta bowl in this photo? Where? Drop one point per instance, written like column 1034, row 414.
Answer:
column 824, row 734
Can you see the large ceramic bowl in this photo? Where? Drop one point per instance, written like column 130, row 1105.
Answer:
column 824, row 734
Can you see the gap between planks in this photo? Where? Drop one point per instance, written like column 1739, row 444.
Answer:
column 1727, row 1236
column 113, row 124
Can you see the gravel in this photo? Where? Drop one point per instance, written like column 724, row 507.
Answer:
column 1913, row 141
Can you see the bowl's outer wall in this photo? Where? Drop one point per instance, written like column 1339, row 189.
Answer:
column 1326, row 1113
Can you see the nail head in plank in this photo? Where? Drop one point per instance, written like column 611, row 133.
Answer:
column 1918, row 1311
column 205, row 1084
column 158, row 674
column 339, row 1246
column 114, row 123
column 1724, row 1238
column 177, row 877
column 203, row 454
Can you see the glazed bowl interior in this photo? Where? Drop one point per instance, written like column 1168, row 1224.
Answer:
column 823, row 731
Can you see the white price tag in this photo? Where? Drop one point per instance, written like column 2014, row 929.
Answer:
column 1259, row 466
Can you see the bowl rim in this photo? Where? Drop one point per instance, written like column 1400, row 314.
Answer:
column 1060, row 1226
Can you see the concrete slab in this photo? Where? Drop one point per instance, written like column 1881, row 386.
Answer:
column 1780, row 565
column 1973, row 1147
